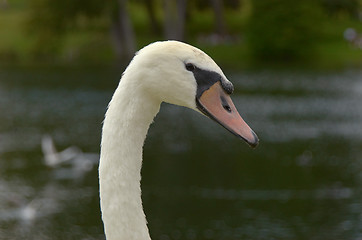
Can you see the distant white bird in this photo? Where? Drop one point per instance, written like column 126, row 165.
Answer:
column 172, row 72
column 52, row 157
column 79, row 161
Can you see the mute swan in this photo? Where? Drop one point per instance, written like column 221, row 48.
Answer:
column 168, row 71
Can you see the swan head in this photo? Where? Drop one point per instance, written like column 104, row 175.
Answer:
column 180, row 74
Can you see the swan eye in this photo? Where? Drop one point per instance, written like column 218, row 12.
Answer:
column 190, row 67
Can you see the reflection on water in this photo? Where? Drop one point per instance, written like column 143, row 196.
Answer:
column 199, row 182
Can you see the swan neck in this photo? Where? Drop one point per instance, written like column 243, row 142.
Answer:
column 125, row 127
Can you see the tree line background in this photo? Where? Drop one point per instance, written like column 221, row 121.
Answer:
column 256, row 30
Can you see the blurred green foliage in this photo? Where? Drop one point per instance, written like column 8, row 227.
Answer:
column 307, row 31
column 284, row 30
column 49, row 21
column 342, row 7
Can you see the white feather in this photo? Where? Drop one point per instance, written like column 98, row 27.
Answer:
column 156, row 74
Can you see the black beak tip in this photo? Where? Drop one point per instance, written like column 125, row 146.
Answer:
column 252, row 143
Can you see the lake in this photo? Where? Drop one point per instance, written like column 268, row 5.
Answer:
column 199, row 181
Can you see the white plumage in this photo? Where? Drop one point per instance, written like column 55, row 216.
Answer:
column 156, row 74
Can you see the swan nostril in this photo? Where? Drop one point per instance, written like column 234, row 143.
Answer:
column 227, row 108
column 225, row 104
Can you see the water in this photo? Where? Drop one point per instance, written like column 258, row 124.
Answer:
column 199, row 181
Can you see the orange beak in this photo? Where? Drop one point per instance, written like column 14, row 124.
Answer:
column 217, row 104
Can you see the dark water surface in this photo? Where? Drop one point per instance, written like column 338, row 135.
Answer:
column 199, row 182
